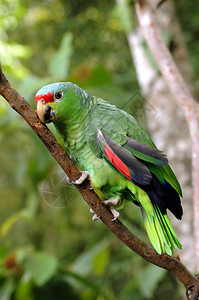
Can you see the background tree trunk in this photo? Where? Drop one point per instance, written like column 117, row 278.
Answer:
column 166, row 122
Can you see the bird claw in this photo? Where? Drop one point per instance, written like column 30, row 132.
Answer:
column 113, row 202
column 115, row 214
column 95, row 217
column 68, row 180
column 80, row 180
column 110, row 202
column 83, row 177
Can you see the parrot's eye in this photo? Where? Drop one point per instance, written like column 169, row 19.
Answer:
column 59, row 95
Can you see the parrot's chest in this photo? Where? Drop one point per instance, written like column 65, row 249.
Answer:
column 103, row 176
column 91, row 163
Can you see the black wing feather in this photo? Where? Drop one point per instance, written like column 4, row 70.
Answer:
column 159, row 158
column 140, row 173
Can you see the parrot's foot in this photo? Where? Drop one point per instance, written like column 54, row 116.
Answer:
column 115, row 214
column 109, row 203
column 81, row 179
column 68, row 180
column 113, row 202
column 95, row 217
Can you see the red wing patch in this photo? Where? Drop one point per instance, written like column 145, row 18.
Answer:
column 48, row 97
column 117, row 163
column 123, row 161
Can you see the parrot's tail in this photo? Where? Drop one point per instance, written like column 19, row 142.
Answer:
column 160, row 231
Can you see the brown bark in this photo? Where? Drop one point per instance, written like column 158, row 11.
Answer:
column 195, row 290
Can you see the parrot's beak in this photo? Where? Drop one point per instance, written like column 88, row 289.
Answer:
column 45, row 112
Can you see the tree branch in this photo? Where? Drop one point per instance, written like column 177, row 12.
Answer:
column 195, row 290
column 19, row 104
column 181, row 92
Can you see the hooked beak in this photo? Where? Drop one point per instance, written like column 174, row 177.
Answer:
column 45, row 112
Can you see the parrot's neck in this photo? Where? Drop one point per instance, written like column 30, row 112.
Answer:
column 73, row 130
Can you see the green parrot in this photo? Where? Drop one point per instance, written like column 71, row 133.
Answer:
column 118, row 155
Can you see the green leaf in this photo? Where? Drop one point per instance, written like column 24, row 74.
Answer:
column 149, row 279
column 125, row 15
column 100, row 261
column 92, row 259
column 41, row 266
column 24, row 288
column 6, row 226
column 6, row 290
column 59, row 65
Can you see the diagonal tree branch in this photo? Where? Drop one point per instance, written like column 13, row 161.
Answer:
column 195, row 290
column 19, row 104
column 181, row 92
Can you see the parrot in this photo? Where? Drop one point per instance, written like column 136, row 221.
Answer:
column 117, row 155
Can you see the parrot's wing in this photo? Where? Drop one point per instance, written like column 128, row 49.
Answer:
column 141, row 171
column 145, row 152
column 154, row 158
column 128, row 159
column 130, row 143
column 122, row 160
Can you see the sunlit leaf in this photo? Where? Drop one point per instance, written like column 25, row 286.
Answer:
column 59, row 65
column 41, row 266
column 24, row 288
column 6, row 226
column 92, row 259
column 101, row 260
column 125, row 14
column 6, row 290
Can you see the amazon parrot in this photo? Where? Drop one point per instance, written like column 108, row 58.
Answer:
column 118, row 156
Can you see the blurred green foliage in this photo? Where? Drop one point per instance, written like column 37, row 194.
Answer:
column 49, row 247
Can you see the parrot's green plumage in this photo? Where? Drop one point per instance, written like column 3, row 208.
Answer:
column 122, row 159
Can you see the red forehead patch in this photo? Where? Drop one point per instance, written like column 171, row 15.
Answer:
column 48, row 97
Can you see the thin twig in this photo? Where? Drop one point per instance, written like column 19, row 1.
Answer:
column 181, row 93
column 18, row 103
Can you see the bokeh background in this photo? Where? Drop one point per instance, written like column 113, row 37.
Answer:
column 49, row 246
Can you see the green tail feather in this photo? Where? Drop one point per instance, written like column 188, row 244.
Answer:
column 160, row 231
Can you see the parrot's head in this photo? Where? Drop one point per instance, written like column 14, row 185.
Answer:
column 62, row 101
